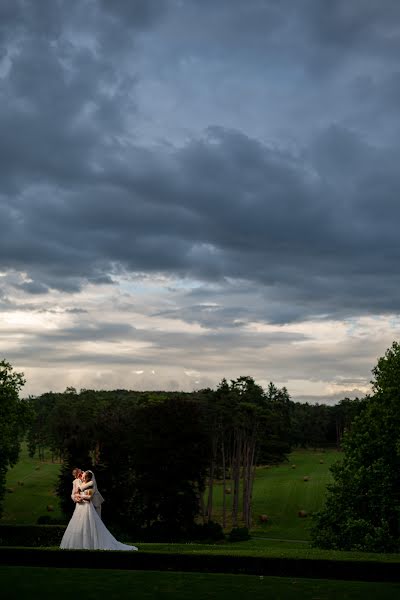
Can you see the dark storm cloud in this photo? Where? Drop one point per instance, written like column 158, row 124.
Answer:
column 83, row 201
column 227, row 206
column 364, row 24
column 139, row 14
column 306, row 34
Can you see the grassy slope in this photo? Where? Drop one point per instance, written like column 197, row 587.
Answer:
column 25, row 582
column 279, row 491
column 29, row 501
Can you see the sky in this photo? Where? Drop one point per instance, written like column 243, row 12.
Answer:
column 199, row 189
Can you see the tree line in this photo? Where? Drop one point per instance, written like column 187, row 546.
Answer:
column 159, row 455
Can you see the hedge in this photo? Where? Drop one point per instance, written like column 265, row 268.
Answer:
column 31, row 535
column 249, row 565
column 50, row 535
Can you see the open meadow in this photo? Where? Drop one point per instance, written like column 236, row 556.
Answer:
column 30, row 490
column 280, row 492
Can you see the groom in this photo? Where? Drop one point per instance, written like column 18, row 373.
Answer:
column 97, row 499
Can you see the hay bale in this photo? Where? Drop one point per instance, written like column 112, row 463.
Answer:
column 303, row 513
column 293, row 466
column 264, row 518
column 10, row 490
column 321, row 462
column 50, row 508
column 306, row 478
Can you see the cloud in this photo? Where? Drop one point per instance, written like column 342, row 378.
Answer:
column 233, row 162
column 307, row 230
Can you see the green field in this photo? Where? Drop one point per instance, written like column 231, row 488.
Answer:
column 32, row 483
column 26, row 582
column 279, row 492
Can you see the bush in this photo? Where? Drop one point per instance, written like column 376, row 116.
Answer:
column 239, row 534
column 160, row 531
column 31, row 535
column 210, row 531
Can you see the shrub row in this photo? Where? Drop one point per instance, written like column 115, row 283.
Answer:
column 211, row 563
column 31, row 535
column 164, row 532
column 46, row 535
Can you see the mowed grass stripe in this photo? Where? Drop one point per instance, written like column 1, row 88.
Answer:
column 47, row 583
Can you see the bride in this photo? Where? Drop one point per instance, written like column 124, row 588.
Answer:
column 86, row 530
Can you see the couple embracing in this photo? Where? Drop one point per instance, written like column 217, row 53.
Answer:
column 86, row 530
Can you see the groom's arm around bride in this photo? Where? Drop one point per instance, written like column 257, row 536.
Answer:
column 96, row 499
column 77, row 475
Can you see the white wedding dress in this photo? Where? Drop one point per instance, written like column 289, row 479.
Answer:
column 86, row 531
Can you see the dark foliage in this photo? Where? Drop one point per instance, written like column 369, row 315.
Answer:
column 149, row 453
column 152, row 452
column 31, row 535
column 239, row 534
column 15, row 416
column 362, row 508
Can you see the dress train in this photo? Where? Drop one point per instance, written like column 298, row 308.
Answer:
column 87, row 531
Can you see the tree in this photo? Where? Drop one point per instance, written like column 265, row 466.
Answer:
column 344, row 415
column 250, row 415
column 149, row 452
column 170, row 452
column 217, row 408
column 275, row 442
column 14, row 417
column 39, row 436
column 72, row 428
column 245, row 424
column 362, row 509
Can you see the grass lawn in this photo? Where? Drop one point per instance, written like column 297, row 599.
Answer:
column 29, row 501
column 280, row 492
column 267, row 548
column 27, row 582
column 255, row 547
